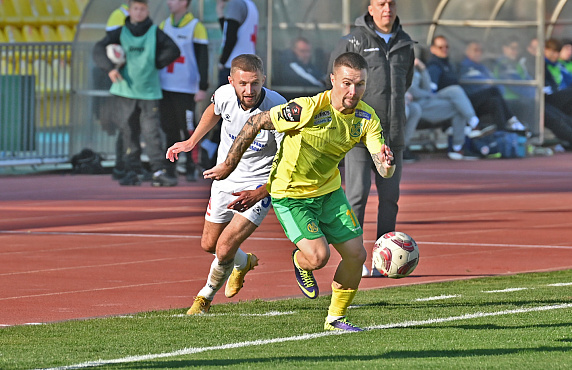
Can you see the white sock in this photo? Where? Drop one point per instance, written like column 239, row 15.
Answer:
column 218, row 275
column 474, row 121
column 457, row 148
column 333, row 318
column 240, row 259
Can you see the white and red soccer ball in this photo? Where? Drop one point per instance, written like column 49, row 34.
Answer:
column 395, row 254
column 116, row 54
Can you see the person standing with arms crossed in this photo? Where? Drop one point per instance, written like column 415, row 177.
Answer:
column 185, row 81
column 239, row 203
column 380, row 39
column 305, row 182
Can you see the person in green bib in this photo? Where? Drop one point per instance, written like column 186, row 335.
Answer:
column 137, row 89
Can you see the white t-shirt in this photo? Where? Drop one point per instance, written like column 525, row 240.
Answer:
column 247, row 31
column 183, row 74
column 255, row 165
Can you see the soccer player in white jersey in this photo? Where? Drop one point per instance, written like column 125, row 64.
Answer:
column 239, row 203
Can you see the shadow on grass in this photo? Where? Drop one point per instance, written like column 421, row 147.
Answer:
column 329, row 359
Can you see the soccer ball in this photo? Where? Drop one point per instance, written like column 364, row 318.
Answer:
column 116, row 54
column 395, row 254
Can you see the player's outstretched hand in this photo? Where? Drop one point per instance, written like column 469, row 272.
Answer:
column 173, row 152
column 247, row 198
column 218, row 172
column 387, row 162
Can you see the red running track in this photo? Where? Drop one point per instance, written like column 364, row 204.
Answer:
column 74, row 247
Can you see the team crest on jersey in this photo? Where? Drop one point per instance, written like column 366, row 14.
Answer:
column 355, row 129
column 312, row 227
column 362, row 114
column 292, row 112
column 322, row 117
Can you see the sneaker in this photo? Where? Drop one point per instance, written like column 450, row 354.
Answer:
column 160, row 178
column 236, row 278
column 462, row 156
column 305, row 279
column 475, row 133
column 364, row 271
column 200, row 306
column 341, row 325
column 130, row 179
column 144, row 175
column 374, row 272
column 117, row 174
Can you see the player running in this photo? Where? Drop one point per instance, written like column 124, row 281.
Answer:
column 305, row 182
column 239, row 203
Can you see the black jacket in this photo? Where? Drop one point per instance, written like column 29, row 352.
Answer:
column 166, row 53
column 390, row 73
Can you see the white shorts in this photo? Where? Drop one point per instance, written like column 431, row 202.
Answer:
column 221, row 196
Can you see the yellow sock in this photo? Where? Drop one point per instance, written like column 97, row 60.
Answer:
column 341, row 300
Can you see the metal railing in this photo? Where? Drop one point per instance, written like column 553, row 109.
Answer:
column 35, row 80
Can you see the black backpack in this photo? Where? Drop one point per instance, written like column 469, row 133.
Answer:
column 87, row 162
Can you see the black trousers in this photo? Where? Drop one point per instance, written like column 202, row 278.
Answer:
column 490, row 102
column 174, row 107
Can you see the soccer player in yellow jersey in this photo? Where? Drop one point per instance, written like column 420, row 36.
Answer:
column 305, row 182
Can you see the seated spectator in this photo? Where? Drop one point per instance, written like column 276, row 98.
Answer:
column 450, row 102
column 295, row 66
column 485, row 101
column 557, row 80
column 510, row 67
column 528, row 60
column 565, row 57
column 486, row 97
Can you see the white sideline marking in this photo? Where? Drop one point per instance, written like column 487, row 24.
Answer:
column 167, row 236
column 266, row 314
column 405, row 324
column 504, row 290
column 437, row 297
column 560, row 284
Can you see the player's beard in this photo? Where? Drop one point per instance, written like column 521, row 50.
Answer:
column 251, row 102
column 350, row 103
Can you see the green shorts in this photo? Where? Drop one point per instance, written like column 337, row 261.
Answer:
column 328, row 215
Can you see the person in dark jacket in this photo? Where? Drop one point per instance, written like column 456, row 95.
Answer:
column 388, row 50
column 137, row 88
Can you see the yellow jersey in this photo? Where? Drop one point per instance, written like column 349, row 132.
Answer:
column 316, row 139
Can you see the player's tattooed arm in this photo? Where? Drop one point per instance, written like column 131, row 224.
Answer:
column 384, row 162
column 243, row 140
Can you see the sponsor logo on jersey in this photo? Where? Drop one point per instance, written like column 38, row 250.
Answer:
column 355, row 129
column 184, row 37
column 292, row 112
column 362, row 114
column 322, row 117
column 227, row 117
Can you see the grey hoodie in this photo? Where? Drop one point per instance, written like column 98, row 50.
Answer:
column 390, row 73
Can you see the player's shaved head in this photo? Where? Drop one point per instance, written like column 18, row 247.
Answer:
column 247, row 63
column 351, row 60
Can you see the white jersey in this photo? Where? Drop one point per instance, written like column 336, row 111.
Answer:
column 246, row 36
column 254, row 167
column 183, row 74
